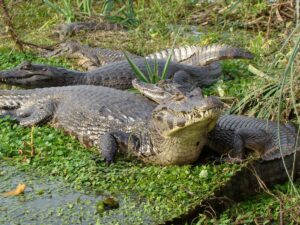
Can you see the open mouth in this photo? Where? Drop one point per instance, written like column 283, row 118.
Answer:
column 199, row 116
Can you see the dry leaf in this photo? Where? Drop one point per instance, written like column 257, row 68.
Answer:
column 18, row 190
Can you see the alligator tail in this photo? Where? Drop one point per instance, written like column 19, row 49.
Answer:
column 202, row 56
column 178, row 54
column 212, row 53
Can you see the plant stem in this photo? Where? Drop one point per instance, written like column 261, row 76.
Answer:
column 8, row 23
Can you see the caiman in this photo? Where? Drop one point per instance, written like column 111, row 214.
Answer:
column 93, row 57
column 120, row 74
column 172, row 132
column 69, row 29
column 276, row 146
column 233, row 135
column 88, row 57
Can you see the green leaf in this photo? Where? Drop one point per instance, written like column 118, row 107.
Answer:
column 138, row 73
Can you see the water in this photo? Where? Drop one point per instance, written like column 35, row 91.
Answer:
column 45, row 201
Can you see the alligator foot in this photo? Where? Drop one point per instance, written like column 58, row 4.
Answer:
column 111, row 142
column 30, row 115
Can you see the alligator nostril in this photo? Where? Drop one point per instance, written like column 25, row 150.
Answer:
column 197, row 143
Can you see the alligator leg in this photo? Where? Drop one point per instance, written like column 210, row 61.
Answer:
column 249, row 138
column 111, row 142
column 33, row 114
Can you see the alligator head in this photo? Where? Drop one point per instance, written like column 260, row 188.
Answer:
column 35, row 75
column 165, row 89
column 184, row 111
column 182, row 122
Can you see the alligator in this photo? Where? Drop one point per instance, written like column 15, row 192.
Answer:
column 69, row 29
column 233, row 135
column 275, row 146
column 172, row 132
column 120, row 74
column 91, row 58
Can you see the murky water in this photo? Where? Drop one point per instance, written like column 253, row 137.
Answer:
column 49, row 200
column 45, row 201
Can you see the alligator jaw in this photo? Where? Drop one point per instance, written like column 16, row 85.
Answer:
column 30, row 75
column 180, row 126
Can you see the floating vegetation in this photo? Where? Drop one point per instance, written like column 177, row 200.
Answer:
column 144, row 193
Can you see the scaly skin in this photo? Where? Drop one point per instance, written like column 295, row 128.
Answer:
column 91, row 58
column 88, row 57
column 233, row 134
column 172, row 132
column 118, row 74
column 279, row 155
column 70, row 29
column 202, row 56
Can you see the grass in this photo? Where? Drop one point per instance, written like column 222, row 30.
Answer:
column 144, row 191
column 202, row 24
column 281, row 206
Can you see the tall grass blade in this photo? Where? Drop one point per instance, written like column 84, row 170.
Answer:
column 136, row 70
column 54, row 7
column 149, row 71
column 67, row 11
column 287, row 71
column 164, row 72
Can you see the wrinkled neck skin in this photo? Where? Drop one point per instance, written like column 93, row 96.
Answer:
column 76, row 79
column 183, row 147
column 69, row 78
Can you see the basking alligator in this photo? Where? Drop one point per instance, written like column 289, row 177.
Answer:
column 120, row 74
column 91, row 58
column 233, row 135
column 117, row 75
column 70, row 29
column 88, row 57
column 172, row 132
column 237, row 136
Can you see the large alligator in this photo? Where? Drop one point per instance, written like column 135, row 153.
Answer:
column 172, row 132
column 277, row 152
column 88, row 57
column 93, row 57
column 233, row 135
column 120, row 74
